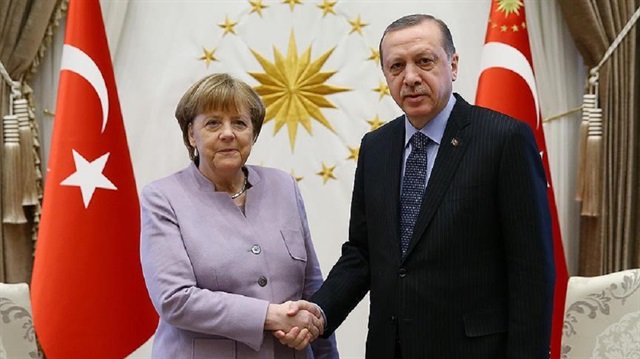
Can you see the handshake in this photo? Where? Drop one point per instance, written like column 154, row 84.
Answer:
column 295, row 324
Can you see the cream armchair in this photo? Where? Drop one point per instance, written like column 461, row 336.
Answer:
column 17, row 335
column 602, row 316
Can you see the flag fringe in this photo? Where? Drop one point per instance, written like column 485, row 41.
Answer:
column 11, row 190
column 27, row 159
column 593, row 174
column 588, row 103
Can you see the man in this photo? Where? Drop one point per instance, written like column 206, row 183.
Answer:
column 466, row 271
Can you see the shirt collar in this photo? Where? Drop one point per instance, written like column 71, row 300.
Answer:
column 434, row 129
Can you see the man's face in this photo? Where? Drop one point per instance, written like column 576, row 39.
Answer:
column 419, row 73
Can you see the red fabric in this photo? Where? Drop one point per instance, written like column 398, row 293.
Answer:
column 503, row 88
column 88, row 294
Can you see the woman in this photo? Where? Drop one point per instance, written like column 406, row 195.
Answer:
column 223, row 243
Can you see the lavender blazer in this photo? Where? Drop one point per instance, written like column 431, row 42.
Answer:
column 211, row 270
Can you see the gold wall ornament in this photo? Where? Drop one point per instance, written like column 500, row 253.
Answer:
column 297, row 178
column 294, row 89
column 326, row 173
column 292, row 3
column 375, row 123
column 375, row 55
column 257, row 7
column 327, row 7
column 208, row 56
column 382, row 90
column 353, row 153
column 228, row 26
column 295, row 85
column 357, row 25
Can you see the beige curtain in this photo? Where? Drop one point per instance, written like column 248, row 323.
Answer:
column 26, row 27
column 610, row 223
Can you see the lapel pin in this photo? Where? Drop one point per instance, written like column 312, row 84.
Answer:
column 455, row 142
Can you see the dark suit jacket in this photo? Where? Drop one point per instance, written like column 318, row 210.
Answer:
column 477, row 281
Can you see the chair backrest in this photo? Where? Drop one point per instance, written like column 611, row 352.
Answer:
column 17, row 334
column 602, row 316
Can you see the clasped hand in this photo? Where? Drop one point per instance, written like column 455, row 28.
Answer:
column 295, row 324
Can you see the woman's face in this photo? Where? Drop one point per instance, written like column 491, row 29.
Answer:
column 224, row 141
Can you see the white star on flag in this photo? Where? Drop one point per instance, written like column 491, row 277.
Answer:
column 88, row 176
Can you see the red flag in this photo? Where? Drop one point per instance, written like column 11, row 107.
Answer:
column 88, row 293
column 507, row 85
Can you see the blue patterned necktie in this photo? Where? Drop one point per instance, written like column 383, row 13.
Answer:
column 413, row 184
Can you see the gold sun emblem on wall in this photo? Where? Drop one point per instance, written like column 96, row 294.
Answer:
column 294, row 89
column 510, row 6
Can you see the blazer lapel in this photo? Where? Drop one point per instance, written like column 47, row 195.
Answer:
column 391, row 148
column 452, row 148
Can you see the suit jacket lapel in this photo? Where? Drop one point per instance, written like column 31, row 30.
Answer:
column 395, row 152
column 446, row 164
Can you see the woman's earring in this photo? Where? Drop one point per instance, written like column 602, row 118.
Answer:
column 195, row 152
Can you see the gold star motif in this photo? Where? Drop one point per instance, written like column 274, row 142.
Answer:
column 503, row 28
column 375, row 55
column 293, row 174
column 293, row 89
column 257, row 6
column 208, row 56
column 357, row 25
column 292, row 3
column 327, row 7
column 494, row 25
column 383, row 89
column 514, row 28
column 375, row 123
column 326, row 173
column 353, row 153
column 228, row 26
column 524, row 25
column 510, row 6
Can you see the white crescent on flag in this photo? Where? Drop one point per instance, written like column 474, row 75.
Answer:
column 498, row 54
column 76, row 60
